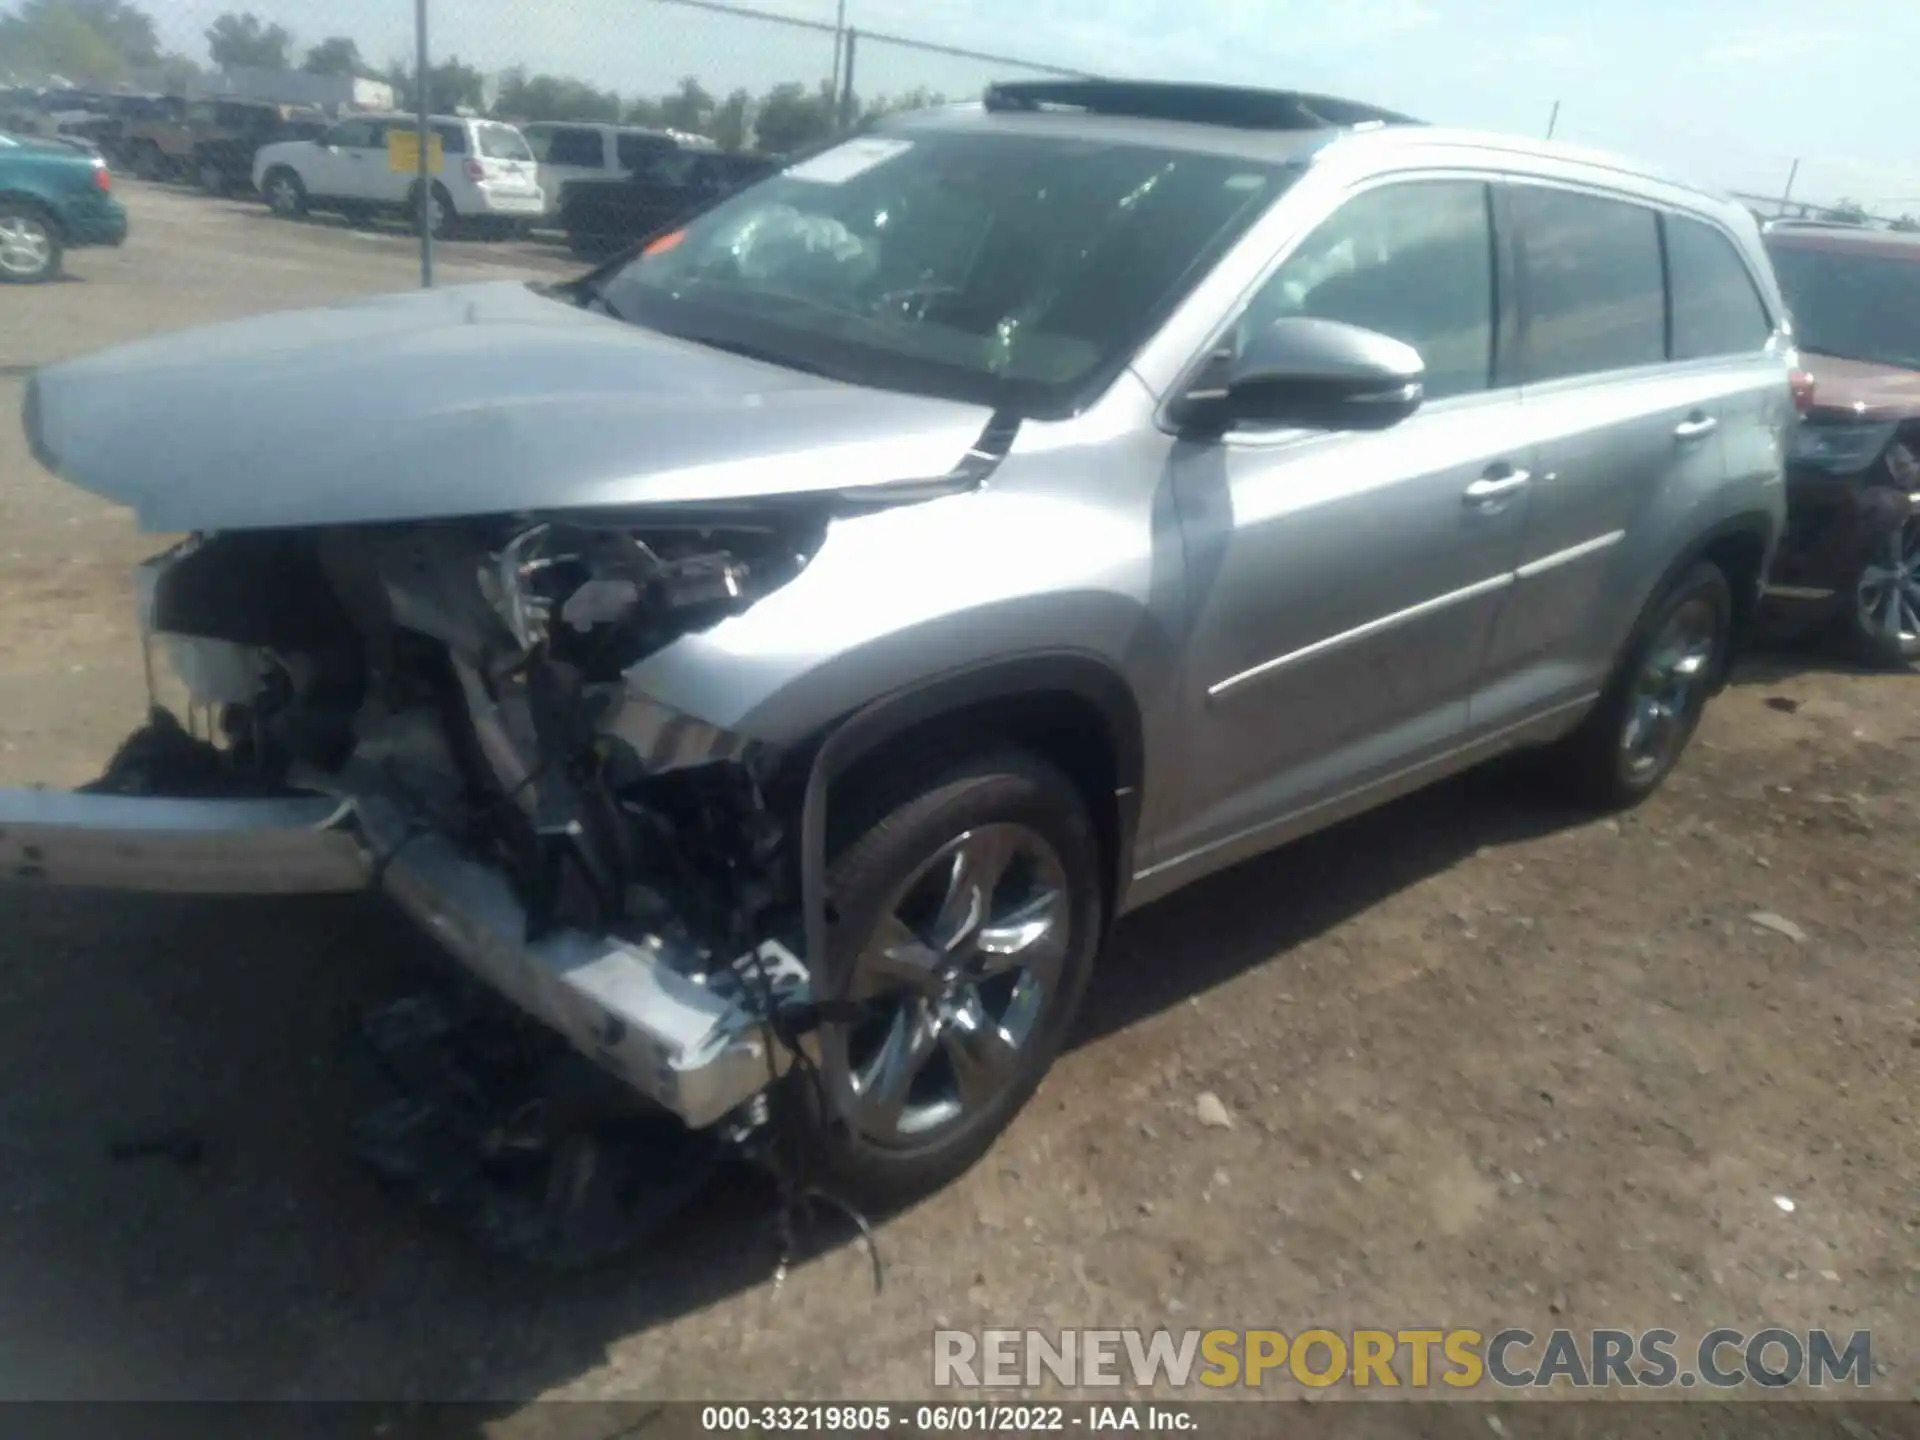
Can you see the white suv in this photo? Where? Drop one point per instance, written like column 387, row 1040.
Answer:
column 583, row 150
column 486, row 172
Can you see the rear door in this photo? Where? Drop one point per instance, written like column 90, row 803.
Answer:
column 1627, row 442
column 357, row 167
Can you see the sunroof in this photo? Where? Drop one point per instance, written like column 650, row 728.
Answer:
column 1226, row 105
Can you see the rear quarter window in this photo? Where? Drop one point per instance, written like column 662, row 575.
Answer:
column 1593, row 288
column 1716, row 308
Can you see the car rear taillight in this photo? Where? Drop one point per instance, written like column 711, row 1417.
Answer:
column 103, row 179
column 476, row 170
column 1801, row 384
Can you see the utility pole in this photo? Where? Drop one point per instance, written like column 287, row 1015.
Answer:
column 424, row 105
column 1786, row 195
column 839, row 44
column 1553, row 119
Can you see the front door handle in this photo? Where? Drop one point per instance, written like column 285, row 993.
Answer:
column 1695, row 427
column 1496, row 486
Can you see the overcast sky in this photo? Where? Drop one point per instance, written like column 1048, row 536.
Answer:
column 1727, row 92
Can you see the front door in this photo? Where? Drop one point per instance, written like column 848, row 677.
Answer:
column 1342, row 587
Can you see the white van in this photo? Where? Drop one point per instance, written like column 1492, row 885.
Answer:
column 362, row 166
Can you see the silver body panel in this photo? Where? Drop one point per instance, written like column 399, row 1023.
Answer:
column 1296, row 625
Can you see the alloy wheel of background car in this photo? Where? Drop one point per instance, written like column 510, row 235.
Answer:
column 29, row 244
column 1886, row 613
column 965, row 923
column 441, row 218
column 286, row 196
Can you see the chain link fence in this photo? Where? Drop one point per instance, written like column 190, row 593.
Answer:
column 190, row 91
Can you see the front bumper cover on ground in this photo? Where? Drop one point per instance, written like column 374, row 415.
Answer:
column 694, row 1049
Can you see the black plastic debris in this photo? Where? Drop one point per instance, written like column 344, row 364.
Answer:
column 523, row 1146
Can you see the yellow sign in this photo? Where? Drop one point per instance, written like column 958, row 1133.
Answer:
column 403, row 152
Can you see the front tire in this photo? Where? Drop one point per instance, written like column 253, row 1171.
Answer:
column 284, row 194
column 30, row 246
column 1643, row 721
column 964, row 924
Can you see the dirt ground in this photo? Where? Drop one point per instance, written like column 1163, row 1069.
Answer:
column 1486, row 1065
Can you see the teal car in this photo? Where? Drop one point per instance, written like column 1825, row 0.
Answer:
column 54, row 197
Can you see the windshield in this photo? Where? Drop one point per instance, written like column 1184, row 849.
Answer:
column 1857, row 306
column 503, row 142
column 1014, row 271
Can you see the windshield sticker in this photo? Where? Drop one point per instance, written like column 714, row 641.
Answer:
column 843, row 162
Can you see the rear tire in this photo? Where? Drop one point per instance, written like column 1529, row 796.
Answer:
column 1640, row 727
column 30, row 244
column 965, row 920
column 441, row 220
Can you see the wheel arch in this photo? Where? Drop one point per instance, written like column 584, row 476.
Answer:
column 1070, row 707
column 14, row 195
column 1742, row 545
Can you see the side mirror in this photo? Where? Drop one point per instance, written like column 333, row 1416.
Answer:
column 1315, row 374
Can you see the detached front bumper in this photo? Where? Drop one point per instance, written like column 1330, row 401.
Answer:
column 695, row 1050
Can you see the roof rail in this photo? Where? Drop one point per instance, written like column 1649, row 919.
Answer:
column 1240, row 107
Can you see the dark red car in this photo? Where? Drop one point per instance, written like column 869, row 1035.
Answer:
column 1851, row 556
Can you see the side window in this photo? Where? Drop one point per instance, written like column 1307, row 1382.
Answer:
column 577, row 147
column 1593, row 284
column 539, row 137
column 1716, row 309
column 351, row 135
column 453, row 139
column 635, row 151
column 1412, row 260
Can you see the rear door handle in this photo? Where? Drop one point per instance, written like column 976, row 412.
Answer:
column 1695, row 427
column 1495, row 486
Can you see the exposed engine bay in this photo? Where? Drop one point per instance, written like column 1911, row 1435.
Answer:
column 624, row 873
column 473, row 673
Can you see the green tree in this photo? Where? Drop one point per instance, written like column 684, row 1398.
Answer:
column 1906, row 224
column 336, row 55
column 688, row 108
column 732, row 121
column 237, row 41
column 792, row 117
column 1850, row 211
column 450, row 85
column 554, row 97
column 94, row 40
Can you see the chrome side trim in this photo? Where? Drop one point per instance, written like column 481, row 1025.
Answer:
column 1797, row 592
column 1425, row 607
column 1569, row 555
column 1361, row 632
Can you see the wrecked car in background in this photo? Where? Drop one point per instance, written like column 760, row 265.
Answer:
column 1850, row 561
column 773, row 661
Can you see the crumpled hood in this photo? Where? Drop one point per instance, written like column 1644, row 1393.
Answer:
column 1863, row 387
column 471, row 400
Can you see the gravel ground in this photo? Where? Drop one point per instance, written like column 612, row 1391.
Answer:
column 1483, row 1063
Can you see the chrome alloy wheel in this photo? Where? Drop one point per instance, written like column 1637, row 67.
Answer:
column 1670, row 689
column 955, row 981
column 26, row 245
column 1888, row 592
column 283, row 195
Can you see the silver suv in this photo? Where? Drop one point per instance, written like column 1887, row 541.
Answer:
column 776, row 658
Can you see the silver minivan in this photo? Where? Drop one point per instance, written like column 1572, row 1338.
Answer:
column 793, row 645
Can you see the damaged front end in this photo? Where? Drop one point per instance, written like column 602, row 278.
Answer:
column 440, row 711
